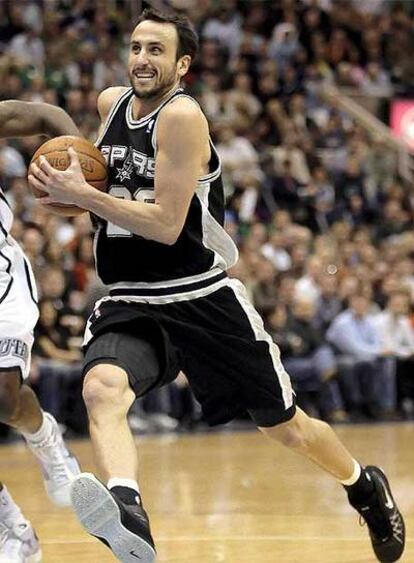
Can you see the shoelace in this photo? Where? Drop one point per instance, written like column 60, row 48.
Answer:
column 376, row 522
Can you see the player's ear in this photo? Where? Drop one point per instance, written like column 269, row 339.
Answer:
column 184, row 64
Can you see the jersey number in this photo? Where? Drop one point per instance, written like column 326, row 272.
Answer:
column 121, row 192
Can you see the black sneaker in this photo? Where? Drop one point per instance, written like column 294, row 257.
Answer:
column 123, row 528
column 384, row 520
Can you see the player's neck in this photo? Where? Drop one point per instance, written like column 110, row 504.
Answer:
column 142, row 107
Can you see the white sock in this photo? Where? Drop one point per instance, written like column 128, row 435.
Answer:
column 355, row 475
column 9, row 510
column 130, row 483
column 44, row 431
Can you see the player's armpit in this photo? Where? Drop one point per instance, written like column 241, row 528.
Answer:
column 22, row 119
column 182, row 151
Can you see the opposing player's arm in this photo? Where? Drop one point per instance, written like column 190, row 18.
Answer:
column 22, row 119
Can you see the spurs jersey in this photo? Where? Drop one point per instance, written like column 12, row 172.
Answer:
column 131, row 264
column 18, row 298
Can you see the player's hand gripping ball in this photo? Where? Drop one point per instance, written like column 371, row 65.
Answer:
column 92, row 163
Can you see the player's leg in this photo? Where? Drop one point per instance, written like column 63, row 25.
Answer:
column 266, row 392
column 108, row 398
column 313, row 439
column 19, row 406
column 115, row 363
column 20, row 409
column 18, row 540
column 367, row 487
column 118, row 368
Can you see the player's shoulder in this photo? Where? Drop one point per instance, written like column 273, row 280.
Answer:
column 107, row 98
column 183, row 110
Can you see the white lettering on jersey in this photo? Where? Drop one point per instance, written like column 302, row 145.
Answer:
column 128, row 160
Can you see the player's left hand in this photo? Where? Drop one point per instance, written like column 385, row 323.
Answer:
column 62, row 186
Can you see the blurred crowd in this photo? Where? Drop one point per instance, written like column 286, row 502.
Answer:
column 316, row 205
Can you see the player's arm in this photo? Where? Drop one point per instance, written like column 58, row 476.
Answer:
column 22, row 119
column 182, row 138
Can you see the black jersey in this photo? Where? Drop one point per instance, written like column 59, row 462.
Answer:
column 132, row 264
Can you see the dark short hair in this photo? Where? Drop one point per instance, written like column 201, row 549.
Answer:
column 187, row 35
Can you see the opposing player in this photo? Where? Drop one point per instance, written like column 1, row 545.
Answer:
column 162, row 249
column 19, row 406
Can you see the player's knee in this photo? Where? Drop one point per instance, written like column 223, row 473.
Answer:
column 10, row 382
column 106, row 389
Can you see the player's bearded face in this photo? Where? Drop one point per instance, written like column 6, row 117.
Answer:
column 152, row 82
column 152, row 63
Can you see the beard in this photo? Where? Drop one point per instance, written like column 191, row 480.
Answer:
column 156, row 91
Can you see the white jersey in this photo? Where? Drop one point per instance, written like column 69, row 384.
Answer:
column 6, row 218
column 18, row 298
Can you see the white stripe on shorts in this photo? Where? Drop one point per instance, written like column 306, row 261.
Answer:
column 256, row 323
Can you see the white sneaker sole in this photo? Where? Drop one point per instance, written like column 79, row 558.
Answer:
column 100, row 516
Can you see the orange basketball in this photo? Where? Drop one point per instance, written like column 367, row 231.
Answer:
column 92, row 163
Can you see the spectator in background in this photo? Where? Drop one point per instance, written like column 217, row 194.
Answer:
column 53, row 285
column 242, row 104
column 238, row 157
column 369, row 383
column 247, row 198
column 283, row 45
column 11, row 162
column 264, row 291
column 28, row 49
column 395, row 220
column 53, row 359
column 308, row 286
column 394, row 327
column 108, row 69
column 33, row 243
column 397, row 334
column 274, row 250
column 225, row 27
column 285, row 188
column 328, row 303
column 350, row 182
column 291, row 153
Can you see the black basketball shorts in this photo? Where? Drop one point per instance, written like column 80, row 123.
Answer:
column 218, row 341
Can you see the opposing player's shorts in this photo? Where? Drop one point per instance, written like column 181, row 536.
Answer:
column 18, row 308
column 217, row 340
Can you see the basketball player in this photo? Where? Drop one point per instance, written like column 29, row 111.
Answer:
column 19, row 407
column 162, row 249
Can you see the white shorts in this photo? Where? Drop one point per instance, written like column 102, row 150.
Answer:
column 18, row 308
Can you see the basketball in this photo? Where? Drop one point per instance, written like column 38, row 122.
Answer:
column 91, row 160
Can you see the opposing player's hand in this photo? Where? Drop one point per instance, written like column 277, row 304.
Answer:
column 67, row 186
